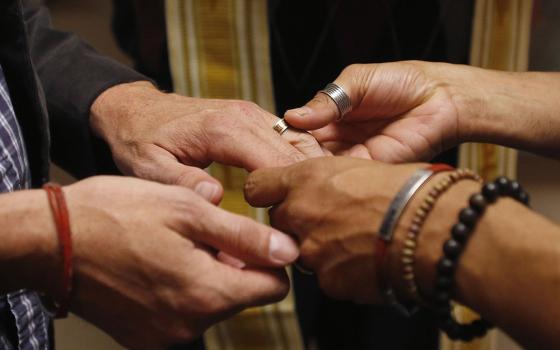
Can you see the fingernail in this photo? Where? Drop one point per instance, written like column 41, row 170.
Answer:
column 302, row 111
column 207, row 190
column 282, row 249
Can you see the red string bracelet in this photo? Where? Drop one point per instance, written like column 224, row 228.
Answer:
column 59, row 210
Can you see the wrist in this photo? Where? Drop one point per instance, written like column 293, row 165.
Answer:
column 30, row 251
column 117, row 102
column 435, row 230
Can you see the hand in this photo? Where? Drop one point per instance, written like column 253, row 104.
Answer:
column 334, row 206
column 144, row 261
column 167, row 137
column 402, row 112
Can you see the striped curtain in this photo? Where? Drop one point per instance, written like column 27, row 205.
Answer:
column 220, row 49
column 500, row 40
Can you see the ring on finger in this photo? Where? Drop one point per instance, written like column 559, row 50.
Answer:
column 281, row 126
column 340, row 99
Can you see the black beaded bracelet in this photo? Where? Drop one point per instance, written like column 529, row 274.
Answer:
column 452, row 250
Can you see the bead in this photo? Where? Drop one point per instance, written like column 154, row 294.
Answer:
column 523, row 197
column 408, row 269
column 421, row 212
column 408, row 252
column 479, row 328
column 443, row 282
column 490, row 192
column 433, row 193
column 477, row 202
column 514, row 188
column 453, row 330
column 452, row 248
column 425, row 206
column 446, row 266
column 442, row 313
column 410, row 244
column 430, row 200
column 468, row 216
column 460, row 232
column 411, row 235
column 502, row 183
column 414, row 228
column 454, row 176
column 417, row 220
column 407, row 260
column 442, row 298
column 408, row 277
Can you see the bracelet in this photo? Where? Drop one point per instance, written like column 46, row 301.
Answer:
column 453, row 248
column 387, row 228
column 409, row 248
column 59, row 210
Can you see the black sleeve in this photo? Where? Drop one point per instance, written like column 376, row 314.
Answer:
column 72, row 75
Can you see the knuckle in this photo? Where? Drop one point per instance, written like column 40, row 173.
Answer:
column 310, row 254
column 353, row 69
column 280, row 292
column 244, row 108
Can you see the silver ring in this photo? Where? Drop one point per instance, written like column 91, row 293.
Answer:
column 340, row 99
column 280, row 126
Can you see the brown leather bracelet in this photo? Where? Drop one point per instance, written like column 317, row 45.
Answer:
column 61, row 218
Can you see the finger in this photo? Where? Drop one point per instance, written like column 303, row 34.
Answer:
column 318, row 112
column 230, row 260
column 357, row 151
column 194, row 178
column 389, row 150
column 278, row 221
column 304, row 142
column 258, row 148
column 254, row 287
column 166, row 169
column 266, row 187
column 244, row 239
column 322, row 110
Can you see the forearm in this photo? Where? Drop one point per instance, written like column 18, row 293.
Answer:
column 28, row 252
column 519, row 110
column 510, row 269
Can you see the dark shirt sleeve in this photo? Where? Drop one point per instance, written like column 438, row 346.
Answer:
column 72, row 75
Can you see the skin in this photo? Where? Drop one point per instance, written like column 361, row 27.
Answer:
column 337, row 241
column 154, row 264
column 408, row 112
column 168, row 138
column 144, row 258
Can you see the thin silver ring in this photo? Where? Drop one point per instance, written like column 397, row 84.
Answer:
column 280, row 126
column 340, row 99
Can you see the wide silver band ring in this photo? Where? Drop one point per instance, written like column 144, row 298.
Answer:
column 340, row 99
column 280, row 126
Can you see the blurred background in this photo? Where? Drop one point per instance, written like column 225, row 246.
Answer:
column 92, row 20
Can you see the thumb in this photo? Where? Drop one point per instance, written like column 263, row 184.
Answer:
column 174, row 173
column 317, row 113
column 322, row 110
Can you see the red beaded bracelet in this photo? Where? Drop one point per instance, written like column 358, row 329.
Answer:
column 59, row 210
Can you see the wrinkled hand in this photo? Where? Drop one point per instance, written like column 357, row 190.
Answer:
column 402, row 112
column 168, row 137
column 334, row 206
column 144, row 261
